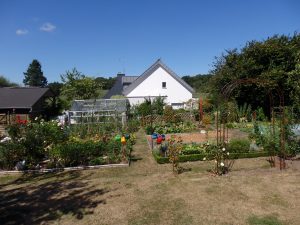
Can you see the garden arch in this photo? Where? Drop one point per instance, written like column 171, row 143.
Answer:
column 222, row 119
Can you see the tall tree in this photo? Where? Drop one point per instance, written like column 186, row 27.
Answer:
column 55, row 103
column 34, row 75
column 79, row 86
column 275, row 60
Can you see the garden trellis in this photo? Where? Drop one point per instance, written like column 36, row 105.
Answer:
column 93, row 111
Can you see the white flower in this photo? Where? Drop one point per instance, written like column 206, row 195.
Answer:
column 5, row 139
column 36, row 118
column 216, row 161
column 207, row 143
column 223, row 149
column 59, row 124
column 227, row 153
column 204, row 158
column 222, row 164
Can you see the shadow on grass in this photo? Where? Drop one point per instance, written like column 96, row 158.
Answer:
column 37, row 203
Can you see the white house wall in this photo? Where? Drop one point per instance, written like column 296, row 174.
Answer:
column 152, row 86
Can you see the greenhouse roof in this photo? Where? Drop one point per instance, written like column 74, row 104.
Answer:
column 119, row 105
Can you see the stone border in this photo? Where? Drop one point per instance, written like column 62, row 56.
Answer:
column 64, row 169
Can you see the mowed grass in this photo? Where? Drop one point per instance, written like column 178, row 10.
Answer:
column 148, row 193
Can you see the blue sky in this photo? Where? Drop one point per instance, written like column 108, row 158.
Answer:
column 102, row 38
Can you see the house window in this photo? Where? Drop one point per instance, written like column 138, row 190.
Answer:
column 164, row 84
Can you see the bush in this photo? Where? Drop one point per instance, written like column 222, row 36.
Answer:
column 98, row 161
column 74, row 153
column 238, row 146
column 133, row 126
column 83, row 153
column 10, row 154
column 32, row 140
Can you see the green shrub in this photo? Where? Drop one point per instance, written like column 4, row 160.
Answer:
column 149, row 130
column 193, row 148
column 98, row 161
column 238, row 146
column 75, row 153
column 33, row 139
column 133, row 126
column 10, row 154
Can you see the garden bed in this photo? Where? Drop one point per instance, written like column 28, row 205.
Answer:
column 41, row 146
column 65, row 168
column 202, row 157
column 198, row 137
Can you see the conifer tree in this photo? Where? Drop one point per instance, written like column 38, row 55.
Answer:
column 34, row 75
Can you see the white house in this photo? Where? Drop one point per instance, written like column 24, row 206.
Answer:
column 157, row 80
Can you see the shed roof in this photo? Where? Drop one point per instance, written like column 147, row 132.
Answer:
column 21, row 97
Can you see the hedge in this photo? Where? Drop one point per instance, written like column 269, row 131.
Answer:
column 199, row 157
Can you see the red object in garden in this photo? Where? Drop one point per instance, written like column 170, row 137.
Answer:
column 20, row 121
column 159, row 139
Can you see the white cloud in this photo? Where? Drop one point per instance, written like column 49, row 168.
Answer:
column 48, row 27
column 21, row 32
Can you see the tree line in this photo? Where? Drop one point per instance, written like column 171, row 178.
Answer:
column 73, row 85
column 275, row 59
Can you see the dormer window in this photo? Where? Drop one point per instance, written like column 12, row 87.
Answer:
column 164, row 84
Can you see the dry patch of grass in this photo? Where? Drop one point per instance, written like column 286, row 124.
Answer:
column 148, row 193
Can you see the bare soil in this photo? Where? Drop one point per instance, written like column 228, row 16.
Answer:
column 148, row 193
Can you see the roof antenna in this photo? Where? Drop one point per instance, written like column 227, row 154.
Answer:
column 122, row 65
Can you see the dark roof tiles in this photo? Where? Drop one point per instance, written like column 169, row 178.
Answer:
column 21, row 97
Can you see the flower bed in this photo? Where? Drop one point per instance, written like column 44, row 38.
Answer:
column 46, row 145
column 237, row 148
column 166, row 128
column 202, row 157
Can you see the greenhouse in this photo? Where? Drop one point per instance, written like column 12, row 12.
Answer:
column 98, row 111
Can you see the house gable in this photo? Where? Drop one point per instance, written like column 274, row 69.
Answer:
column 150, row 71
column 159, row 80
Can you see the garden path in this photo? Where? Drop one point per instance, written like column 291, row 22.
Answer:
column 142, row 159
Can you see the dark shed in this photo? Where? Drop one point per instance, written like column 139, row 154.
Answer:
column 23, row 100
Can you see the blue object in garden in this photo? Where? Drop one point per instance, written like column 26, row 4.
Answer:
column 127, row 136
column 163, row 137
column 154, row 136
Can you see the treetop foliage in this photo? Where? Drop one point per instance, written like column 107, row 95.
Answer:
column 78, row 86
column 200, row 82
column 276, row 59
column 34, row 75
